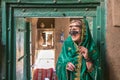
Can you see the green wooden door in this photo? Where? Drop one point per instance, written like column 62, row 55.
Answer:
column 22, row 45
column 14, row 12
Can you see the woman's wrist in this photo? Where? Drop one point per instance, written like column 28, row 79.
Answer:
column 88, row 59
column 89, row 64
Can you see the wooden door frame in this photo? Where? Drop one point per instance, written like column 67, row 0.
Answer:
column 11, row 10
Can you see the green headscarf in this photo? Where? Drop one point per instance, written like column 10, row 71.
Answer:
column 69, row 53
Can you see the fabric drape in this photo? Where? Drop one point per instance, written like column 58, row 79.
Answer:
column 70, row 53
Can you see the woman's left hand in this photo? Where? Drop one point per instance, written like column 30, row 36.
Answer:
column 84, row 51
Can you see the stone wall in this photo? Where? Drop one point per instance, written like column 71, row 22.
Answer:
column 113, row 39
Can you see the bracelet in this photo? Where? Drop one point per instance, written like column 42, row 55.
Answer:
column 88, row 60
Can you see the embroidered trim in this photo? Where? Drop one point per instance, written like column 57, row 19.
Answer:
column 78, row 66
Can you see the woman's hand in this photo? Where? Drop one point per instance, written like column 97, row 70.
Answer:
column 70, row 66
column 84, row 51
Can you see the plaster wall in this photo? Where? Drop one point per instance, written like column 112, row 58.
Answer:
column 61, row 25
column 113, row 40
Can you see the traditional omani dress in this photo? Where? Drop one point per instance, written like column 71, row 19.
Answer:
column 70, row 53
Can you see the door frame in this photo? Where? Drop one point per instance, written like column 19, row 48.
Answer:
column 11, row 10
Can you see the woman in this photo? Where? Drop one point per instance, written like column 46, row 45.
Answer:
column 79, row 58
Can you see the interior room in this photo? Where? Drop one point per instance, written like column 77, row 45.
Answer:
column 46, row 38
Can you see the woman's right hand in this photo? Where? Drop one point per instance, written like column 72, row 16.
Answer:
column 70, row 66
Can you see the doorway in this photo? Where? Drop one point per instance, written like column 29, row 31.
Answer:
column 20, row 32
column 45, row 38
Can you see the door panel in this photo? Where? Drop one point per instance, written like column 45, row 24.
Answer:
column 22, row 49
column 20, row 30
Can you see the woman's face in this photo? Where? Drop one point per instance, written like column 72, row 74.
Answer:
column 76, row 30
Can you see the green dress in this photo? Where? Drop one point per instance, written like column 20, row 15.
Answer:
column 70, row 53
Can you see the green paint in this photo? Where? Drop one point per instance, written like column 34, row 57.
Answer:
column 23, row 8
column 27, row 52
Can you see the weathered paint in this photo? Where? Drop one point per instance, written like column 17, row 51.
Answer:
column 56, row 8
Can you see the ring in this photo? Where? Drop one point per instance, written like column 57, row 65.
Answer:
column 67, row 66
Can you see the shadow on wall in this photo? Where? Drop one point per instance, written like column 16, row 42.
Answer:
column 2, row 62
column 110, row 68
column 106, row 69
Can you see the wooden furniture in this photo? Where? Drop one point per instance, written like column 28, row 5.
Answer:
column 41, row 74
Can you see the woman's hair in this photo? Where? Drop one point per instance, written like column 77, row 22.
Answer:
column 79, row 23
